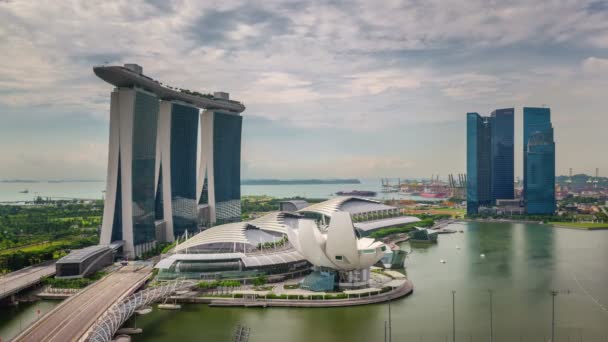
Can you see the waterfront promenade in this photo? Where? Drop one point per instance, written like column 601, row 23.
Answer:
column 71, row 319
column 401, row 288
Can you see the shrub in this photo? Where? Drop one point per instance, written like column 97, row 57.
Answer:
column 260, row 280
column 72, row 283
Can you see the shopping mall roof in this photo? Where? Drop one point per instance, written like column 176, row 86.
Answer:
column 231, row 232
column 383, row 223
column 236, row 232
column 168, row 261
column 272, row 259
column 251, row 260
column 353, row 205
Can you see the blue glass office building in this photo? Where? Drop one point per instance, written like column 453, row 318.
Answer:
column 479, row 167
column 145, row 119
column 129, row 212
column 503, row 154
column 184, row 139
column 490, row 160
column 220, row 174
column 539, row 162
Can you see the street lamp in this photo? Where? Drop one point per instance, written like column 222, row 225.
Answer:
column 453, row 316
column 554, row 293
column 491, row 318
column 390, row 330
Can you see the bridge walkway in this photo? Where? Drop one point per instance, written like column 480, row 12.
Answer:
column 70, row 320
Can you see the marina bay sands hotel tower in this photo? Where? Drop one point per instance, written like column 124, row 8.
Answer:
column 154, row 191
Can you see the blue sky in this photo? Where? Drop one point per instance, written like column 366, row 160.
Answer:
column 332, row 88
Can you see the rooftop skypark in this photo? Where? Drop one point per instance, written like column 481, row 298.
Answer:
column 131, row 75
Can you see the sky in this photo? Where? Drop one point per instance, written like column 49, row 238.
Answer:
column 333, row 88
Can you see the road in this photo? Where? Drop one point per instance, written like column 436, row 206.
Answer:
column 19, row 280
column 72, row 318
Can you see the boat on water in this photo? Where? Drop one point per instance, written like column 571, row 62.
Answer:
column 144, row 311
column 364, row 193
column 431, row 193
column 434, row 195
column 26, row 191
column 169, row 306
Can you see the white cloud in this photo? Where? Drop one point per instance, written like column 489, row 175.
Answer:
column 361, row 65
column 594, row 65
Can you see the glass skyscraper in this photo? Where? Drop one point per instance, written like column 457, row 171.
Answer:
column 176, row 151
column 479, row 167
column 129, row 211
column 220, row 172
column 152, row 189
column 489, row 158
column 539, row 161
column 503, row 167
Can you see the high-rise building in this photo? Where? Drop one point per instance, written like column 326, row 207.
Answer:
column 479, row 166
column 503, row 167
column 176, row 173
column 489, row 159
column 539, row 161
column 152, row 192
column 219, row 180
column 129, row 210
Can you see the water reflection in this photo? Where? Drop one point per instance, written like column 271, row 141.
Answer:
column 523, row 263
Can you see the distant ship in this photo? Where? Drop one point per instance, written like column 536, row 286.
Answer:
column 26, row 191
column 434, row 195
column 363, row 193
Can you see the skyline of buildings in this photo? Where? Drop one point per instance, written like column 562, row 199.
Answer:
column 490, row 160
column 154, row 191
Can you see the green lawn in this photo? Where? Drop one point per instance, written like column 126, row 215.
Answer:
column 582, row 225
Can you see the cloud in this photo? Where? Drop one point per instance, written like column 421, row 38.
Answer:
column 359, row 66
column 248, row 24
column 594, row 65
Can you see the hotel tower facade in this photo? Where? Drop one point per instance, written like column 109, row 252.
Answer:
column 153, row 193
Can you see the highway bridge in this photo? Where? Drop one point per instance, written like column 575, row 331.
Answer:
column 17, row 281
column 71, row 320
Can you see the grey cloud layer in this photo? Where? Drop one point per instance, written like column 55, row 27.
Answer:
column 356, row 65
